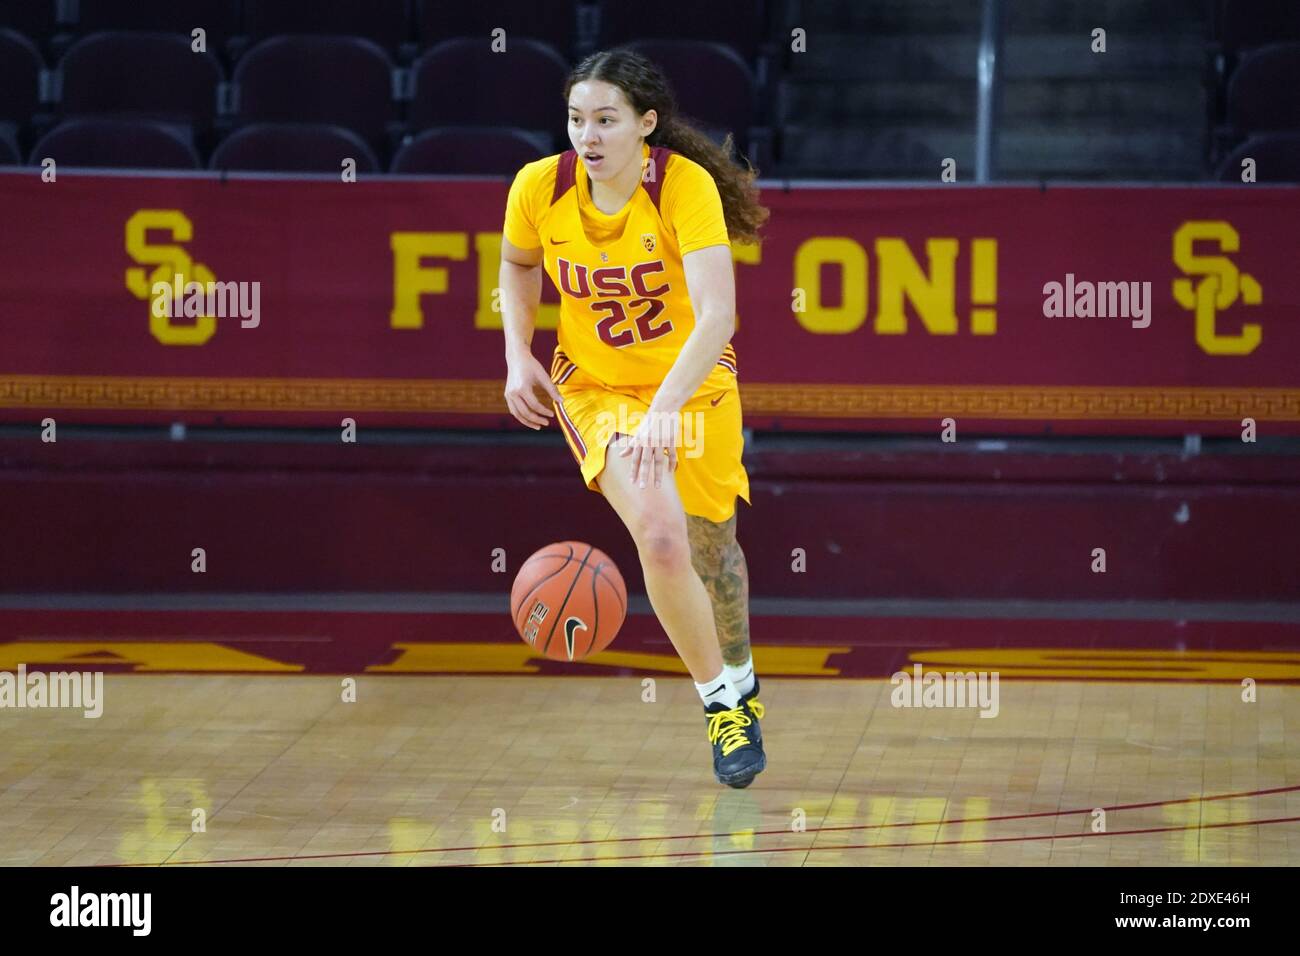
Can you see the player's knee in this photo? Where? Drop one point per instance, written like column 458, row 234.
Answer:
column 664, row 548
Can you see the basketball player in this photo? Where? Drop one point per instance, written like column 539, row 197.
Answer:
column 633, row 225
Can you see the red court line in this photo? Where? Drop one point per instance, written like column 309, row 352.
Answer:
column 881, row 846
column 704, row 836
column 1048, row 813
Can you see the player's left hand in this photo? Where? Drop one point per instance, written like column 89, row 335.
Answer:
column 652, row 447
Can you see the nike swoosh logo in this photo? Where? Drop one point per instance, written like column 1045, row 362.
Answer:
column 718, row 691
column 718, row 399
column 571, row 625
column 560, row 242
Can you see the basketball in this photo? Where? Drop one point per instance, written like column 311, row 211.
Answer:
column 568, row 601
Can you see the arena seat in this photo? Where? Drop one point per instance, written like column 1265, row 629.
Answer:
column 293, row 147
column 218, row 18
column 553, row 23
column 117, row 143
column 383, row 22
column 140, row 75
column 468, row 151
column 341, row 81
column 1255, row 99
column 461, row 83
column 20, row 73
column 1276, row 155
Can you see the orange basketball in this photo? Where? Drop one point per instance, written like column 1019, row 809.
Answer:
column 568, row 601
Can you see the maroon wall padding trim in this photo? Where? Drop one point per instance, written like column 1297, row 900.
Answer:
column 115, row 516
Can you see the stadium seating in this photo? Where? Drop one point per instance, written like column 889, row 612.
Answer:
column 34, row 18
column 1256, row 98
column 740, row 24
column 299, row 66
column 553, row 22
column 1250, row 23
column 141, row 75
column 462, row 82
column 293, row 148
column 9, row 153
column 20, row 71
column 121, row 143
column 713, row 84
column 218, row 18
column 1276, row 155
column 470, row 151
column 343, row 81
column 383, row 22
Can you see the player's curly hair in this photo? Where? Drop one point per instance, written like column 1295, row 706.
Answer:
column 646, row 88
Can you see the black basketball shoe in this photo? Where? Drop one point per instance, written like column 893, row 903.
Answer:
column 737, row 749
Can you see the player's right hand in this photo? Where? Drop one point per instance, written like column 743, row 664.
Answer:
column 527, row 386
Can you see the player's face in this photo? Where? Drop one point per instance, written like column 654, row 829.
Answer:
column 605, row 130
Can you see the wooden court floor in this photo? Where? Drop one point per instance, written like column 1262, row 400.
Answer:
column 422, row 771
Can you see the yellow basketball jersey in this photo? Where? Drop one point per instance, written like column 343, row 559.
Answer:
column 625, row 311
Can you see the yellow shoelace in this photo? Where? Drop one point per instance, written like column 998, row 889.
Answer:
column 757, row 708
column 729, row 727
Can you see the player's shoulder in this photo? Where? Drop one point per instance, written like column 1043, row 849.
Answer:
column 683, row 165
column 683, row 173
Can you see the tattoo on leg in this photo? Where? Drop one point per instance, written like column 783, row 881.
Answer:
column 720, row 563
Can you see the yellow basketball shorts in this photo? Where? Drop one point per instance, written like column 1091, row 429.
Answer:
column 709, row 470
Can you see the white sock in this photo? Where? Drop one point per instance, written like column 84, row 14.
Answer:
column 719, row 689
column 742, row 675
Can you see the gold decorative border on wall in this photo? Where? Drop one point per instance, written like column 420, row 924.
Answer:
column 484, row 396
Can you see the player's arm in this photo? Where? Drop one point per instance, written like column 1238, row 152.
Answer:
column 711, row 283
column 521, row 295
